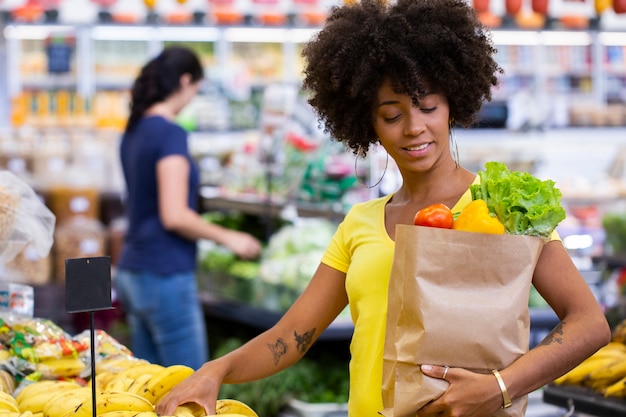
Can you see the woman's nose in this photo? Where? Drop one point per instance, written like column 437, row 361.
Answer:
column 414, row 123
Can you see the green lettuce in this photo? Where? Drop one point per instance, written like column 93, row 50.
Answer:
column 525, row 204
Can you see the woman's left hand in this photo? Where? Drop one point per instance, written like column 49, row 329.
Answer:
column 469, row 393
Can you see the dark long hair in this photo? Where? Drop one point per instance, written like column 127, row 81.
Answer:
column 159, row 78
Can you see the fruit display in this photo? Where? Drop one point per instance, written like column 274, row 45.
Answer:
column 44, row 372
column 604, row 372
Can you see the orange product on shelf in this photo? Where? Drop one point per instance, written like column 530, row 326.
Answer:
column 179, row 17
column 575, row 21
column 227, row 16
column 489, row 19
column 530, row 20
column 272, row 18
column 269, row 13
column 540, row 6
column 513, row 6
column 30, row 12
column 314, row 17
column 602, row 5
column 121, row 17
column 19, row 109
column 63, row 107
column 224, row 12
column 481, row 6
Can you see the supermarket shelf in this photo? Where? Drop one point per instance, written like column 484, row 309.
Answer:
column 581, row 399
column 610, row 262
column 255, row 205
column 542, row 320
column 339, row 330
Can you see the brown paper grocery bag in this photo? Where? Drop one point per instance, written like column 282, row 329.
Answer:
column 458, row 299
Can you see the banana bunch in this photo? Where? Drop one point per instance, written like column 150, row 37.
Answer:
column 35, row 396
column 604, row 371
column 79, row 403
column 131, row 379
column 117, row 363
column 598, row 367
column 233, row 408
column 64, row 367
column 223, row 408
column 7, row 382
column 147, row 380
column 8, row 403
column 618, row 334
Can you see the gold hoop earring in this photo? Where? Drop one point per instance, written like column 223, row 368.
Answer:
column 356, row 171
column 454, row 146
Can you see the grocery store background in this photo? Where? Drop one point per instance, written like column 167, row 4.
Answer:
column 267, row 167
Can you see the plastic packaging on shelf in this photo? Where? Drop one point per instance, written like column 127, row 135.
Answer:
column 24, row 220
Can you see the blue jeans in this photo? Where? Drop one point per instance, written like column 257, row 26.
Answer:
column 165, row 317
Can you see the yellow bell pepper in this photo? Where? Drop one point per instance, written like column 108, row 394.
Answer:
column 476, row 218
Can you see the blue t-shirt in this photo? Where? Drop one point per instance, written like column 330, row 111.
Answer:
column 148, row 247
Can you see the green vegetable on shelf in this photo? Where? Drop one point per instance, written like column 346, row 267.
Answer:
column 614, row 225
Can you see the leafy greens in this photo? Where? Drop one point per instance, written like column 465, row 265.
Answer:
column 525, row 204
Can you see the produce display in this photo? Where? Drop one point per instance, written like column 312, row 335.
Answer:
column 512, row 202
column 604, row 372
column 45, row 372
column 287, row 263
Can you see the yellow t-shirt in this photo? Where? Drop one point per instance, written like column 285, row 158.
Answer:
column 364, row 251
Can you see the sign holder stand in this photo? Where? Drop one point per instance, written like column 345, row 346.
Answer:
column 88, row 289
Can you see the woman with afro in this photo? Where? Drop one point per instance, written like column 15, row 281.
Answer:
column 401, row 75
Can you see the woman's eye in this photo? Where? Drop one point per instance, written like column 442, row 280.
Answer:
column 428, row 109
column 391, row 119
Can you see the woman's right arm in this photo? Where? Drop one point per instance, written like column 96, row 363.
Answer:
column 270, row 352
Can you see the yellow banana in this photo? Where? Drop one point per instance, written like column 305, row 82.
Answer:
column 36, row 402
column 616, row 390
column 131, row 374
column 8, row 403
column 613, row 371
column 66, row 402
column 60, row 367
column 107, row 401
column 119, row 384
column 161, row 383
column 7, row 382
column 117, row 363
column 228, row 415
column 230, row 406
column 31, row 388
column 182, row 412
column 578, row 374
column 141, row 368
column 127, row 413
column 139, row 384
column 101, row 379
column 7, row 413
column 190, row 410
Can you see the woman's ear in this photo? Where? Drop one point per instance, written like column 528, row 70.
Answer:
column 185, row 79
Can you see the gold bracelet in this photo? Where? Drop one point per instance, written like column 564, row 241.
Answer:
column 506, row 400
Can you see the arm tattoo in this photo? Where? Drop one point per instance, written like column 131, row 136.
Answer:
column 555, row 336
column 303, row 341
column 278, row 349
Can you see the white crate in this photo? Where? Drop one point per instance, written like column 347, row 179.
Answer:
column 297, row 408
